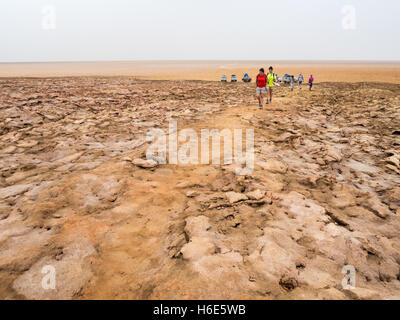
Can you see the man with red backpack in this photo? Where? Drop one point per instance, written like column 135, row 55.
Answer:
column 261, row 87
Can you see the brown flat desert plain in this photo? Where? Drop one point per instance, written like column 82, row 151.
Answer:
column 76, row 194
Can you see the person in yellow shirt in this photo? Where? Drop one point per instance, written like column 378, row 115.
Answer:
column 271, row 79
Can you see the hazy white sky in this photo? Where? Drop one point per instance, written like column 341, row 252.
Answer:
column 80, row 30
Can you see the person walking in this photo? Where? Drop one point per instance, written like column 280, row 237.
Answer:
column 271, row 76
column 310, row 82
column 261, row 87
column 291, row 83
column 301, row 79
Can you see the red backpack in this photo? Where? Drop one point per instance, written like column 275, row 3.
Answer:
column 261, row 80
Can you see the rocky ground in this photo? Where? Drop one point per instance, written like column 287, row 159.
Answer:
column 325, row 192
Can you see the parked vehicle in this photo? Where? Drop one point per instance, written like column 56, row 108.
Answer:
column 246, row 78
column 286, row 78
column 223, row 78
column 233, row 78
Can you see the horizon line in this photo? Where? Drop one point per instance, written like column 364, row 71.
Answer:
column 206, row 60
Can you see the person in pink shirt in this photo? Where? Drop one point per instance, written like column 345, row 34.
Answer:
column 310, row 81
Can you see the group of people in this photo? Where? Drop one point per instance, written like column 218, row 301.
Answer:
column 266, row 82
column 300, row 81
